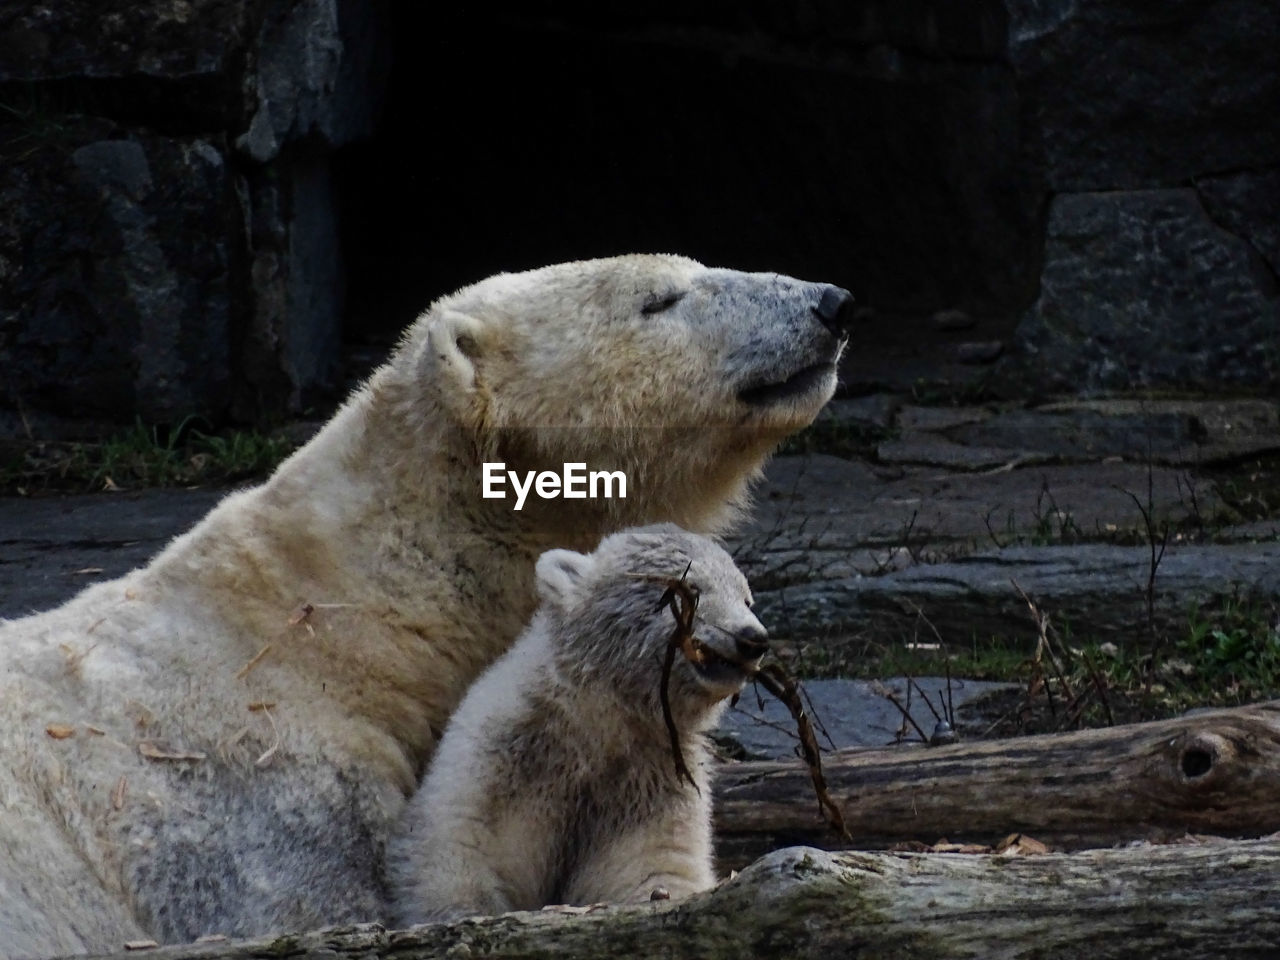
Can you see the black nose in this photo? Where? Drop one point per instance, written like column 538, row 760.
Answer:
column 835, row 310
column 752, row 642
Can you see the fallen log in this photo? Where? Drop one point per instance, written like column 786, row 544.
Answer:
column 1216, row 772
column 1188, row 901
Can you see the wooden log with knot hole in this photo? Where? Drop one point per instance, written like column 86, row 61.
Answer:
column 1183, row 902
column 1215, row 772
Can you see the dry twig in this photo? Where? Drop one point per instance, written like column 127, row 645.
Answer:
column 253, row 662
column 905, row 711
column 774, row 679
column 158, row 750
column 682, row 601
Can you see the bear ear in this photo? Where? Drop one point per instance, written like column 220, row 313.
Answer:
column 452, row 345
column 561, row 574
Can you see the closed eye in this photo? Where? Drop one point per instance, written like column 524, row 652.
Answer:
column 657, row 303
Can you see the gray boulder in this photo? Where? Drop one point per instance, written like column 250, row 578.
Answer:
column 1143, row 289
column 1247, row 204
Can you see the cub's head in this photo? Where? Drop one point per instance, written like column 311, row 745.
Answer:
column 682, row 376
column 612, row 629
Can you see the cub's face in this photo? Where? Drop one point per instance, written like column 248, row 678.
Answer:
column 613, row 620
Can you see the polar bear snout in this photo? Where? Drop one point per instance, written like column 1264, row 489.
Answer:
column 789, row 366
column 751, row 641
column 835, row 310
column 730, row 655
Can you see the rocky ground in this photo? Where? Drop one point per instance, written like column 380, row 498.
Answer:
column 917, row 536
column 952, row 504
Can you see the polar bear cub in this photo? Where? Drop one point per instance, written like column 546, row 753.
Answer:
column 555, row 781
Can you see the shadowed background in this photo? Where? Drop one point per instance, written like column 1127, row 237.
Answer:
column 230, row 208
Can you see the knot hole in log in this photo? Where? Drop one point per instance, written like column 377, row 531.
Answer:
column 1201, row 754
column 1196, row 762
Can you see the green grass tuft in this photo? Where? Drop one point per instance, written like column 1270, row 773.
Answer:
column 1223, row 655
column 142, row 456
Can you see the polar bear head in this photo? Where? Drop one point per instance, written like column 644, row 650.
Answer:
column 609, row 617
column 682, row 376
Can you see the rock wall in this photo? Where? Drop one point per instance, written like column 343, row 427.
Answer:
column 118, row 271
column 200, row 198
column 168, row 235
column 1161, row 162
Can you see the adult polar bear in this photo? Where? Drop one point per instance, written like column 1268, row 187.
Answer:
column 248, row 713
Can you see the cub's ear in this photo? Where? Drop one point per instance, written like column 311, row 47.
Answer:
column 453, row 343
column 561, row 574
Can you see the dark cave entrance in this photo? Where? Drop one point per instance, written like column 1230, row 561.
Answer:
column 512, row 138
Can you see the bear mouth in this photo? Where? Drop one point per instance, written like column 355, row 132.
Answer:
column 715, row 670
column 803, row 382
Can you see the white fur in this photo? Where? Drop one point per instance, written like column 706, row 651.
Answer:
column 555, row 780
column 415, row 584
